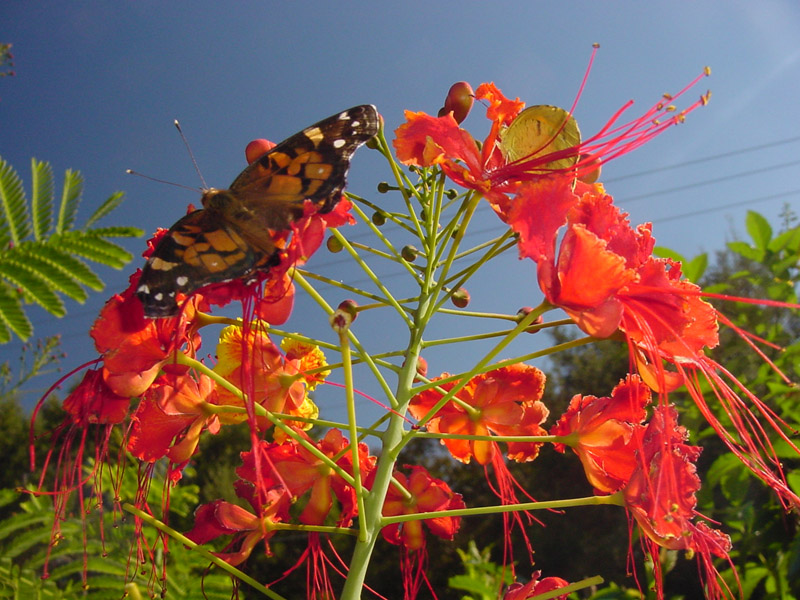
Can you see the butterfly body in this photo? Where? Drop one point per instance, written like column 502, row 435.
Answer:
column 230, row 238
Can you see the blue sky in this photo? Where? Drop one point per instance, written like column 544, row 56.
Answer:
column 99, row 83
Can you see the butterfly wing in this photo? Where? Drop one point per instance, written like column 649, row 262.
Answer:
column 312, row 164
column 230, row 239
column 198, row 250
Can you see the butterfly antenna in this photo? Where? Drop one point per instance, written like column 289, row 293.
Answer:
column 191, row 154
column 185, row 187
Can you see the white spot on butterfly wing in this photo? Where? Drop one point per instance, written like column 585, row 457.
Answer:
column 182, row 280
column 338, row 143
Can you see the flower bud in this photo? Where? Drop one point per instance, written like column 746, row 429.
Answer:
column 383, row 187
column 256, row 149
column 409, row 253
column 344, row 316
column 460, row 298
column 459, row 101
column 334, row 245
column 524, row 312
column 379, row 218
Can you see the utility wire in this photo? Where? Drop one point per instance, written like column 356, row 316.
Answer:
column 698, row 161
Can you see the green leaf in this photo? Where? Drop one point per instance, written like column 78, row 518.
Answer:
column 14, row 224
column 70, row 198
column 694, row 269
column 34, row 287
column 759, row 229
column 12, row 316
column 41, row 198
column 112, row 202
column 664, row 252
column 116, row 232
column 746, row 250
column 77, row 268
column 58, row 277
column 95, row 249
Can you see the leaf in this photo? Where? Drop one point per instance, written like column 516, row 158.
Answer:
column 34, row 287
column 112, row 202
column 14, row 225
column 52, row 272
column 12, row 316
column 746, row 250
column 116, row 232
column 664, row 252
column 95, row 249
column 70, row 198
column 41, row 198
column 77, row 268
column 759, row 229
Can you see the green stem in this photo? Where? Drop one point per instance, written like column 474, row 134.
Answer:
column 614, row 499
column 347, row 369
column 179, row 537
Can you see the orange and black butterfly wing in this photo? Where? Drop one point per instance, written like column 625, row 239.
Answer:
column 312, row 164
column 198, row 250
column 230, row 239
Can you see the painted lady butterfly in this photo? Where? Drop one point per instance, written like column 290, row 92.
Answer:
column 229, row 238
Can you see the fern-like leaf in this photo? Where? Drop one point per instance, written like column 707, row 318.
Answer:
column 110, row 203
column 41, row 198
column 58, row 277
column 95, row 248
column 33, row 286
column 12, row 316
column 33, row 270
column 116, row 232
column 70, row 199
column 14, row 225
column 74, row 266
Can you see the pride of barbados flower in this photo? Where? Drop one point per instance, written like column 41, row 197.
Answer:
column 501, row 402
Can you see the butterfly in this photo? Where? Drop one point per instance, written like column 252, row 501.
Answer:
column 540, row 130
column 229, row 238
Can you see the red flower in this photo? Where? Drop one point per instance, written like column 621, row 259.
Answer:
column 505, row 401
column 93, row 402
column 293, row 467
column 603, row 274
column 173, row 408
column 535, row 587
column 424, row 494
column 605, row 432
column 223, row 518
column 660, row 496
column 425, row 141
column 134, row 348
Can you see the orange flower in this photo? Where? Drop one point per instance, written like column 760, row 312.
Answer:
column 134, row 348
column 93, row 402
column 535, row 587
column 426, row 494
column 604, row 432
column 223, row 518
column 505, row 401
column 173, row 409
column 426, row 141
column 251, row 361
column 293, row 467
column 660, row 496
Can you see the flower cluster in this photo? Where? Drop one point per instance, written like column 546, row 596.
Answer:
column 539, row 176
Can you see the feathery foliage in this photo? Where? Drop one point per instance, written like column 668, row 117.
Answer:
column 42, row 253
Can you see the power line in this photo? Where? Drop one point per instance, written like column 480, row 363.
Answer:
column 697, row 184
column 698, row 161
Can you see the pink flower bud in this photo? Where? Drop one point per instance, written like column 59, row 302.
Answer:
column 256, row 149
column 459, row 101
